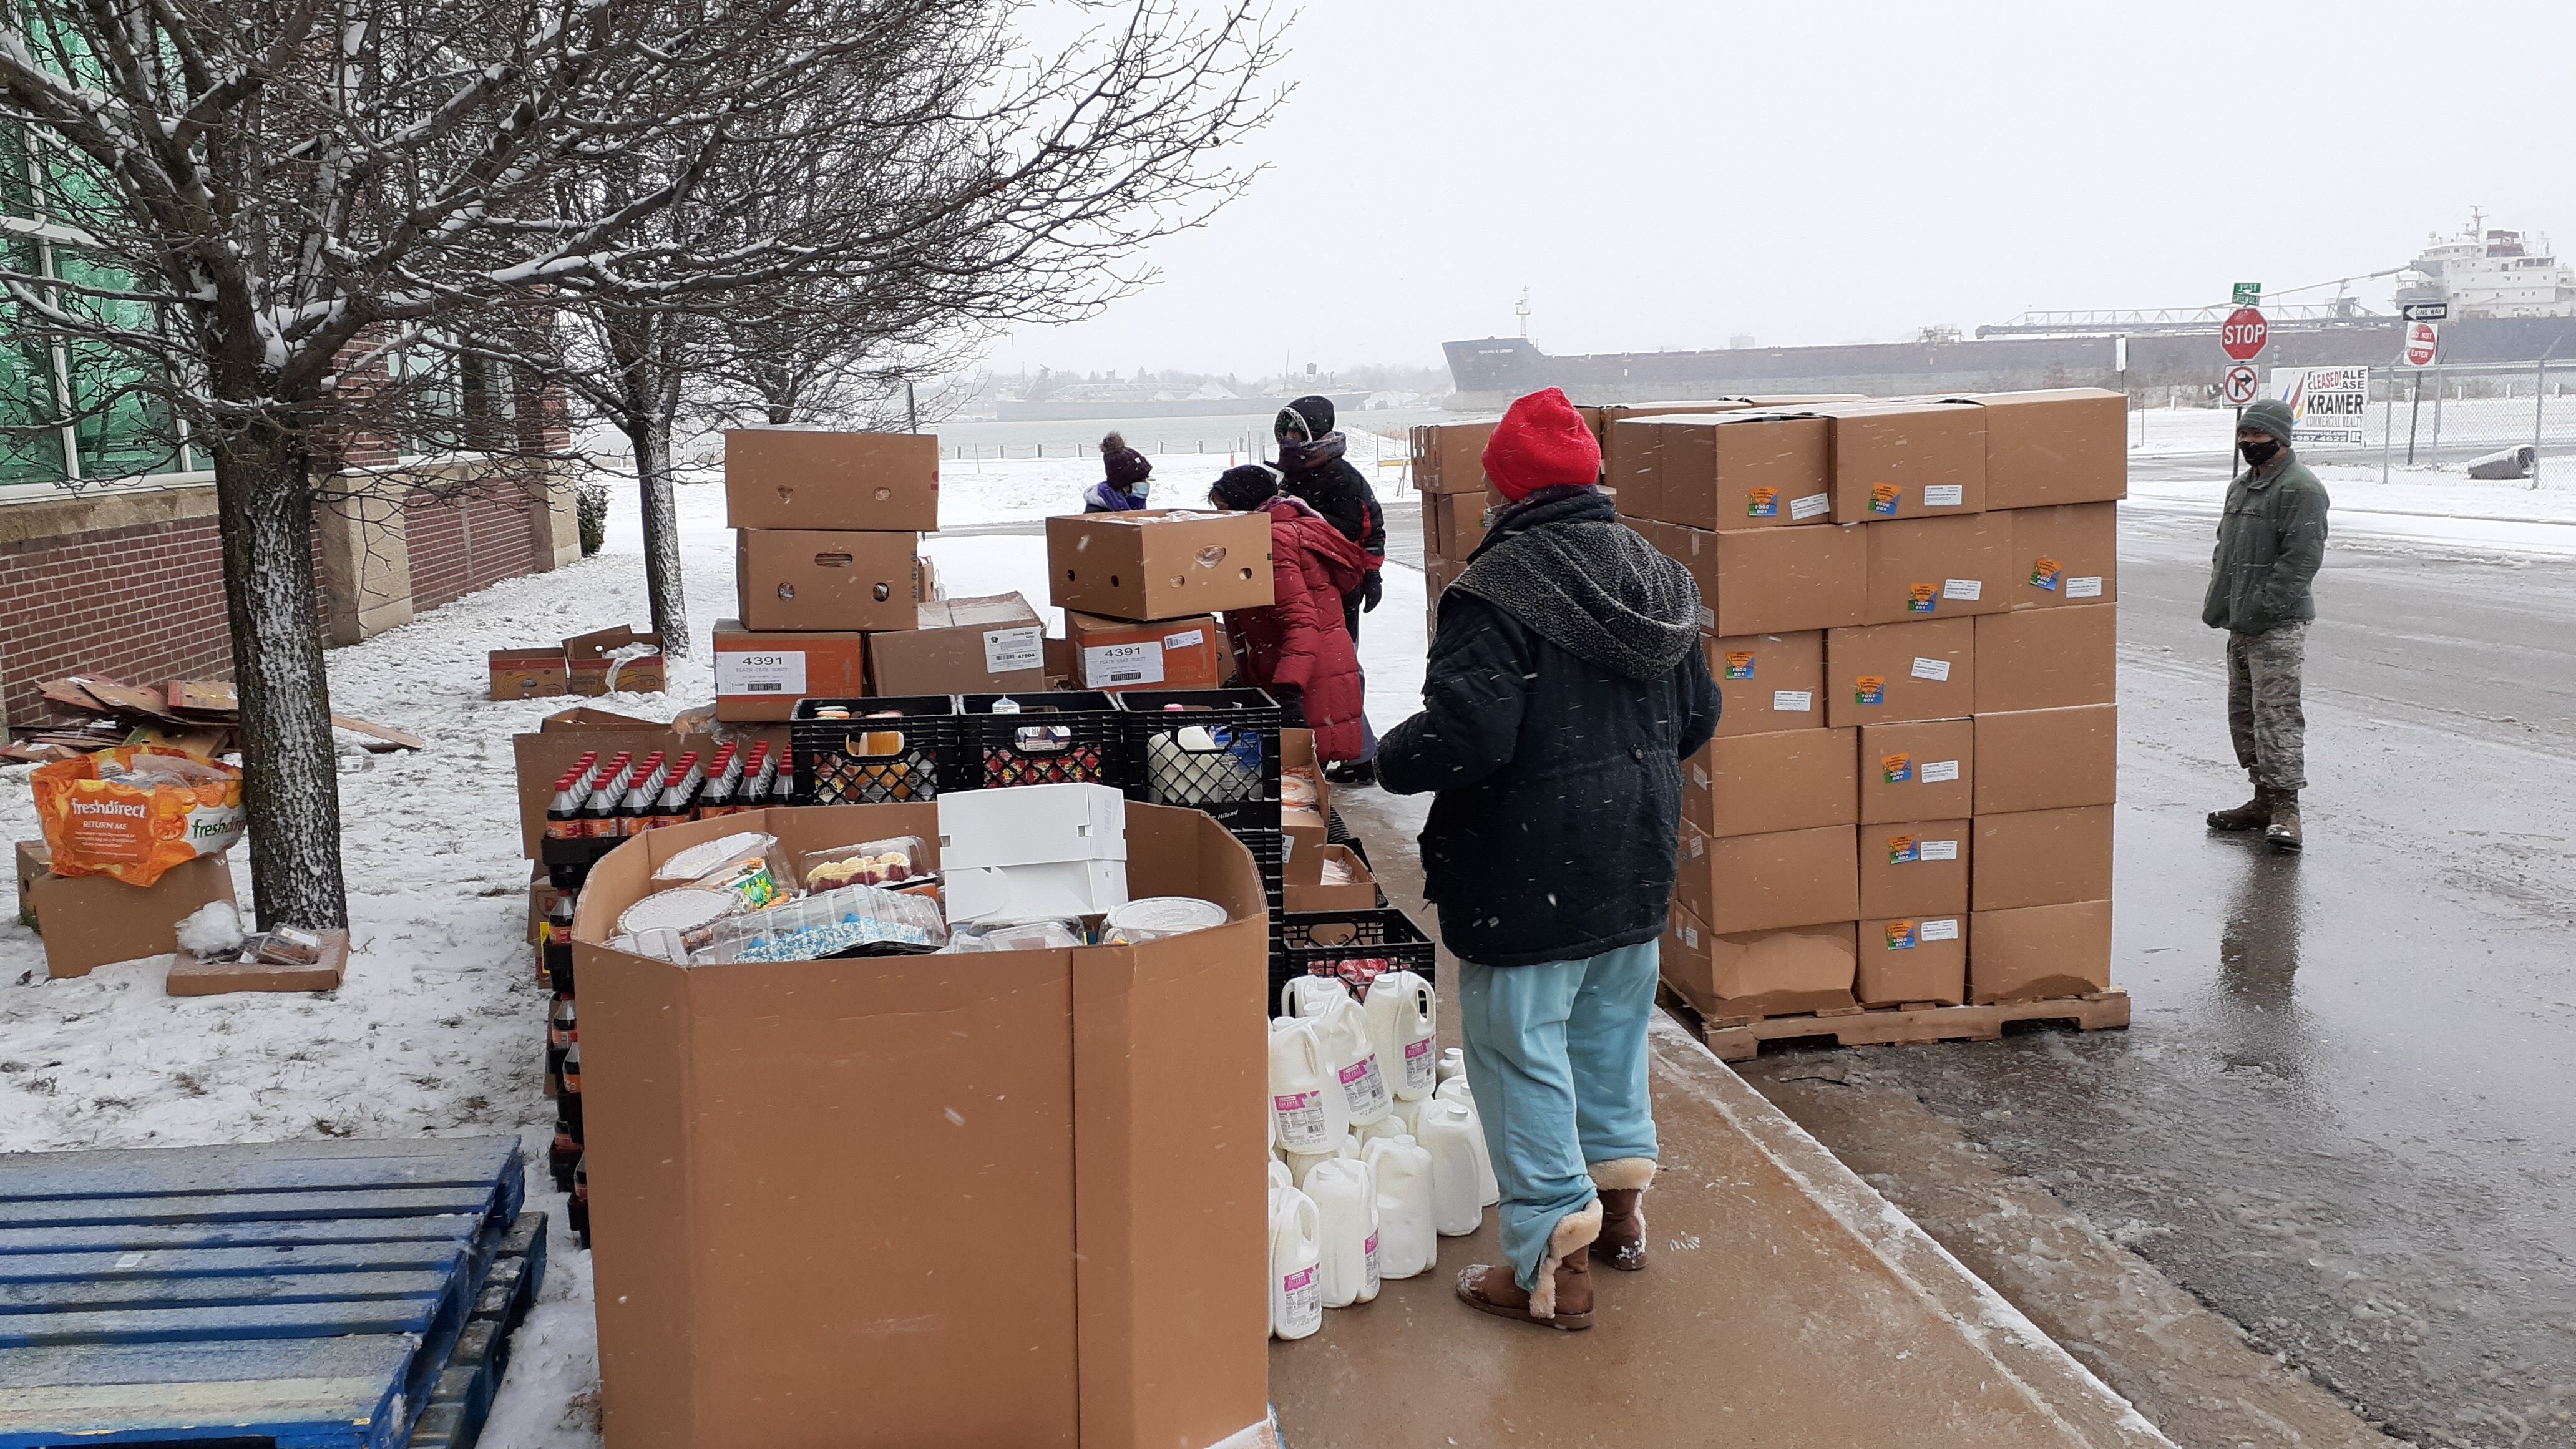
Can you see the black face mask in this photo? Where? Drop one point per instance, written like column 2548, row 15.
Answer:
column 2262, row 452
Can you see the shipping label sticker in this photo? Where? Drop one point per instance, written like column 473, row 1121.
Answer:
column 1900, row 935
column 761, row 671
column 1707, row 617
column 1939, row 772
column 2087, row 587
column 1945, row 495
column 1793, row 701
column 1111, row 664
column 1008, row 650
column 1940, row 849
column 1921, row 598
column 1896, row 769
column 1869, row 689
column 1186, row 639
column 1814, row 505
column 1941, row 930
column 1739, row 664
column 1969, row 589
column 1761, row 502
column 2045, row 573
column 1901, row 851
column 1884, row 498
column 1690, row 937
column 1936, row 670
column 1699, row 776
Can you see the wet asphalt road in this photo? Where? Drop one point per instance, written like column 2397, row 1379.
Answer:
column 2346, row 1113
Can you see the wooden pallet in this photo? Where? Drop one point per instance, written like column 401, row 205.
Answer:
column 1736, row 1039
column 301, row 1295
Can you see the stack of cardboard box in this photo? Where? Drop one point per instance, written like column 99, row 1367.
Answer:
column 1908, row 607
column 1141, row 591
column 835, row 600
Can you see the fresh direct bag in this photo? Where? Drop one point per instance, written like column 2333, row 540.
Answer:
column 137, row 811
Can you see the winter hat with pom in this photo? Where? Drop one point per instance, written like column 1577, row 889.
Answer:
column 1542, row 442
column 1127, row 468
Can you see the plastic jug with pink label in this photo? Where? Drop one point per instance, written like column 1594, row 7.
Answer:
column 1296, row 1268
column 1306, row 1098
column 1404, row 1018
column 1309, row 995
column 1344, row 1030
column 1407, row 1241
column 1301, row 1165
column 1345, row 1195
column 1451, row 1135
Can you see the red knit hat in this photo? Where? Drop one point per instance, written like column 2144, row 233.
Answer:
column 1542, row 442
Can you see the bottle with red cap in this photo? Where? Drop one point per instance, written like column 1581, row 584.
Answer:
column 716, row 796
column 563, row 813
column 599, row 812
column 650, row 777
column 760, row 780
column 680, row 795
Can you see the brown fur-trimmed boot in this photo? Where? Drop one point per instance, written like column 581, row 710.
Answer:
column 2254, row 814
column 1564, row 1296
column 1622, row 1182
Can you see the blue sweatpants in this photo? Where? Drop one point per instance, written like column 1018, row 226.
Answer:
column 1556, row 1058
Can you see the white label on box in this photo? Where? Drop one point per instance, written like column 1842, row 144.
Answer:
column 1707, row 617
column 1944, row 495
column 1009, row 650
column 1108, row 664
column 1937, row 771
column 1963, row 588
column 1186, row 639
column 1690, row 937
column 1937, row 670
column 1814, row 505
column 2088, row 587
column 1939, row 930
column 1793, row 701
column 766, row 671
column 1699, row 777
column 1940, row 850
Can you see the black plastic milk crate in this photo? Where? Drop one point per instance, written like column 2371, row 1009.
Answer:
column 1269, row 856
column 1218, row 751
column 1357, row 946
column 1059, row 737
column 890, row 750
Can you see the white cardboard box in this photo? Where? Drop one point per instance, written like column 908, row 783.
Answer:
column 1030, row 851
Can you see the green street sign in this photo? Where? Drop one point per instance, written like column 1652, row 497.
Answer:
column 2248, row 294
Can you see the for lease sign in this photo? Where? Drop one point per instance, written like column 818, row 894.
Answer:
column 2327, row 404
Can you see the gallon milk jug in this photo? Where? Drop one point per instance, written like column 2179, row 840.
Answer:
column 1280, row 1176
column 1453, row 1063
column 1450, row 1134
column 1343, row 1028
column 1301, row 1165
column 1406, row 1117
column 1308, row 995
column 1487, row 1190
column 1344, row 1192
column 1407, row 1242
column 1296, row 1272
column 1403, row 1017
column 1306, row 1100
column 1390, row 1125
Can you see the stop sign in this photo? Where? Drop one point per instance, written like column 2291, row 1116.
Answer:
column 2244, row 334
column 2423, row 342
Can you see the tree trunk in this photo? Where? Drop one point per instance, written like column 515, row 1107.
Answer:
column 291, row 781
column 662, row 583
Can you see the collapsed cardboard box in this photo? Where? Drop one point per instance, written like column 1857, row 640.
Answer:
column 2047, row 659
column 1758, row 784
column 1002, row 1198
column 89, row 921
column 194, row 975
column 761, row 674
column 1888, row 673
column 1907, row 459
column 594, row 673
column 2062, row 445
column 1768, row 682
column 2064, row 555
column 814, row 478
column 2047, row 759
column 537, row 673
column 2043, row 858
column 1920, row 770
column 2035, row 953
column 1914, row 868
column 816, row 579
column 1775, row 580
column 1117, row 655
column 1159, row 564
column 34, row 862
column 1913, row 960
column 1758, row 973
column 1926, row 568
column 989, row 645
column 1738, row 883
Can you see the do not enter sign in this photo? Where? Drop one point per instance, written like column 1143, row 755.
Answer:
column 2423, row 343
column 2244, row 333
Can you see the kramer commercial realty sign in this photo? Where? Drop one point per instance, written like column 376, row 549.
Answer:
column 2327, row 404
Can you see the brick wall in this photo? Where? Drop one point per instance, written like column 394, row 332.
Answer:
column 139, row 604
column 463, row 542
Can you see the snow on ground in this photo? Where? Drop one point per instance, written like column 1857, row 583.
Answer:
column 438, row 1028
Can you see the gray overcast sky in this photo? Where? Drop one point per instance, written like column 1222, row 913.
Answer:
column 1670, row 174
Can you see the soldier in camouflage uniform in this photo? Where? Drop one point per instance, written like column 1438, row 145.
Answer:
column 2270, row 542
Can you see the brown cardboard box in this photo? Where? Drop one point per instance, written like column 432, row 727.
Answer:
column 542, row 896
column 1739, row 471
column 1888, row 673
column 925, row 580
column 1628, row 457
column 540, row 673
column 1154, row 564
column 1450, row 457
column 561, row 739
column 2064, row 555
column 815, row 478
column 1458, row 522
column 1740, row 883
column 34, row 863
column 1052, row 1162
column 1907, row 460
column 1914, row 868
column 839, row 582
column 1359, row 895
column 991, row 645
column 2047, row 658
column 89, row 921
column 591, row 673
column 2043, row 857
column 1913, row 959
column 1116, row 655
column 191, row 975
column 2065, row 445
column 760, row 675
column 1920, row 770
column 1759, row 784
column 1939, row 568
column 1776, row 580
column 2048, row 759
column 1768, row 682
column 2039, row 952
column 1758, row 973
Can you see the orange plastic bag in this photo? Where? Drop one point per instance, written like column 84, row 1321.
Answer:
column 136, row 811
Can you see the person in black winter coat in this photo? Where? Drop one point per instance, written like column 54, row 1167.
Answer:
column 1313, row 468
column 1565, row 686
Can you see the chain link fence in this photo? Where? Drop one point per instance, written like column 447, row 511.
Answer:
column 2492, row 420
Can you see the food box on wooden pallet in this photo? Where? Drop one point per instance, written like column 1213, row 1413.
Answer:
column 1736, row 470
column 1758, row 973
column 1911, row 960
column 1906, row 459
column 2036, row 953
column 1755, row 784
column 1768, row 882
column 1768, row 682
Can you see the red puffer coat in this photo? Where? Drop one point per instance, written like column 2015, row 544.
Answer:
column 1299, row 644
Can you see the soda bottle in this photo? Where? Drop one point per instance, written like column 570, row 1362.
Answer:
column 679, row 795
column 563, row 814
column 638, row 803
column 563, row 1155
column 570, row 1093
column 599, row 812
column 723, row 774
column 577, row 1212
column 555, row 1053
column 760, row 779
column 563, row 1028
column 554, row 957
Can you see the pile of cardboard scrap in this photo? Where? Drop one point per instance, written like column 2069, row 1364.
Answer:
column 185, row 713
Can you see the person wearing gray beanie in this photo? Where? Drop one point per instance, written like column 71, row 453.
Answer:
column 2271, row 540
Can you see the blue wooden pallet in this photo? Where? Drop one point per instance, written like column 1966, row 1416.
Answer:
column 302, row 1295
